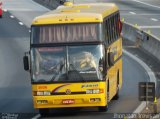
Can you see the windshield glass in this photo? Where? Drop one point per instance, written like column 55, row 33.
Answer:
column 66, row 33
column 69, row 63
column 48, row 63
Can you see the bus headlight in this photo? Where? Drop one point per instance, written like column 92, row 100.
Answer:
column 94, row 91
column 39, row 93
column 95, row 99
column 43, row 93
column 42, row 102
column 88, row 91
column 46, row 93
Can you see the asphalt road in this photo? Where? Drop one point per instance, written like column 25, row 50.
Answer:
column 15, row 87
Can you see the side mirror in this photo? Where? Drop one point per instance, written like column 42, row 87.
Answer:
column 26, row 63
column 111, row 58
column 101, row 65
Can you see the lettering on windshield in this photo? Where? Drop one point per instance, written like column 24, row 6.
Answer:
column 87, row 72
column 50, row 49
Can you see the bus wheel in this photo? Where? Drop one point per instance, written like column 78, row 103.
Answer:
column 116, row 97
column 103, row 108
column 44, row 112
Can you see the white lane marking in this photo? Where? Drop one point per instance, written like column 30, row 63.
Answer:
column 12, row 16
column 140, row 14
column 153, row 27
column 5, row 10
column 146, row 4
column 37, row 116
column 24, row 10
column 150, row 74
column 153, row 19
column 20, row 23
column 132, row 12
column 29, row 31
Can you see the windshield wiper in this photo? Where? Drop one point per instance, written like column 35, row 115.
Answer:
column 81, row 77
column 57, row 74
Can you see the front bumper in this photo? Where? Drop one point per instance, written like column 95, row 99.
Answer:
column 79, row 101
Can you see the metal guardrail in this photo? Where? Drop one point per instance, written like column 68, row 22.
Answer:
column 142, row 39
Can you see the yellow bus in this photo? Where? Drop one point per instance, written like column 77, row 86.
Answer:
column 75, row 57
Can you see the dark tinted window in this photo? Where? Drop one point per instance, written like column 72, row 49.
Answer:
column 112, row 28
column 65, row 33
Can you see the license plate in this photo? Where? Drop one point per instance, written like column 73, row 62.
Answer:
column 70, row 101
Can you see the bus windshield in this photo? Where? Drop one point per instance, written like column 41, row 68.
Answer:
column 66, row 33
column 68, row 63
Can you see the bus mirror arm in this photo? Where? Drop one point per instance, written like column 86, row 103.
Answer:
column 26, row 62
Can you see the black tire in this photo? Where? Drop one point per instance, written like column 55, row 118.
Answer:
column 44, row 112
column 0, row 16
column 116, row 97
column 103, row 108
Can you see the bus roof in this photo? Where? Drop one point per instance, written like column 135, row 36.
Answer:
column 77, row 13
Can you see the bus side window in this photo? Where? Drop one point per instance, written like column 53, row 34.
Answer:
column 107, row 31
column 112, row 24
column 117, row 25
column 110, row 30
column 115, row 30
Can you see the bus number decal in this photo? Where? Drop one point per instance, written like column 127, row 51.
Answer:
column 89, row 85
